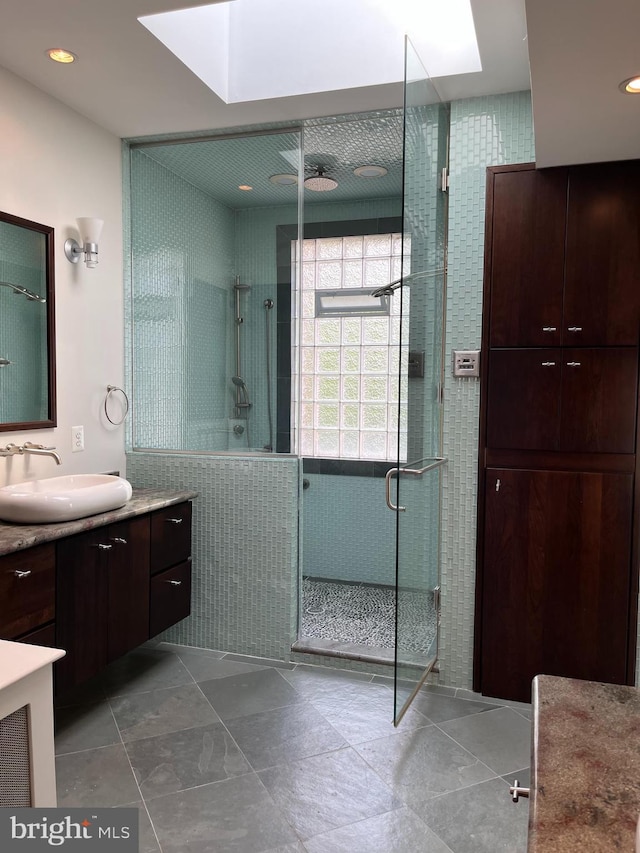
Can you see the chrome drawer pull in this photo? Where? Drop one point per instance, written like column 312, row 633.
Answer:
column 549, row 329
column 118, row 540
column 548, row 364
column 20, row 574
column 174, row 520
column 573, row 364
column 174, row 583
column 574, row 328
column 102, row 547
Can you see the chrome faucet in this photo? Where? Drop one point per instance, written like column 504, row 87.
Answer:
column 30, row 447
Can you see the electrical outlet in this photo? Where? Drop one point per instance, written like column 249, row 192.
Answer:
column 77, row 439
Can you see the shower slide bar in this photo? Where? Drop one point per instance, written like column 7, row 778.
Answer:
column 437, row 462
column 388, row 289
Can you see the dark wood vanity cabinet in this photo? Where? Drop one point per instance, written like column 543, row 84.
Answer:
column 557, row 547
column 102, row 597
column 100, row 593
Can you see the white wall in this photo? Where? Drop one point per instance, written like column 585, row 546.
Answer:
column 56, row 165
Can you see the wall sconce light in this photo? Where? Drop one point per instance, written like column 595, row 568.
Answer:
column 90, row 229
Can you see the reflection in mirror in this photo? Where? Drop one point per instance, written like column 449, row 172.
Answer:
column 27, row 349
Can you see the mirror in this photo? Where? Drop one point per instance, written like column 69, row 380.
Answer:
column 27, row 345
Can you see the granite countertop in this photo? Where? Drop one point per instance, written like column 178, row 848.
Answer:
column 585, row 785
column 16, row 537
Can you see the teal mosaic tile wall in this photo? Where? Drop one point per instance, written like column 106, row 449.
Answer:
column 245, row 552
column 182, row 262
column 484, row 132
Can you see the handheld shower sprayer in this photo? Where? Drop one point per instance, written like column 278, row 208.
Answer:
column 243, row 401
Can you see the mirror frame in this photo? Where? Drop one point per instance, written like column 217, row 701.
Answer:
column 48, row 233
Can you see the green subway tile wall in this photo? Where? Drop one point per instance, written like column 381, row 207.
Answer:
column 484, row 132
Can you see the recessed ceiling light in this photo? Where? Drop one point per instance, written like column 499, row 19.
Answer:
column 632, row 85
column 284, row 180
column 59, row 54
column 245, row 188
column 370, row 171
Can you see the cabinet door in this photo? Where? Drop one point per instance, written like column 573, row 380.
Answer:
column 527, row 257
column 602, row 286
column 128, row 585
column 599, row 396
column 82, row 594
column 523, row 405
column 556, row 578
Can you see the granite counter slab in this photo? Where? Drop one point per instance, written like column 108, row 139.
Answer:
column 17, row 537
column 585, row 786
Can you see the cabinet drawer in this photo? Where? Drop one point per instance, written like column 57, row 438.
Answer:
column 27, row 590
column 41, row 637
column 170, row 597
column 170, row 536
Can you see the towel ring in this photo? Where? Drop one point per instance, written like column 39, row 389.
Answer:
column 110, row 390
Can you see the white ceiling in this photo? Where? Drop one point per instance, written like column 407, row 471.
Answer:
column 129, row 83
column 580, row 51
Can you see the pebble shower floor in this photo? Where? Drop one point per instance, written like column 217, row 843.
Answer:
column 365, row 615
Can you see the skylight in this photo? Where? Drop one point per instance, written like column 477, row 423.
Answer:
column 251, row 50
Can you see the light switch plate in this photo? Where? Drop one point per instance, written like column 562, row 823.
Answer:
column 466, row 362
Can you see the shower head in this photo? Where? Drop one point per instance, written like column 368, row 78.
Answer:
column 239, row 382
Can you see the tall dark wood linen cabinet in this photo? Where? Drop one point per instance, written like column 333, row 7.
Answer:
column 558, row 518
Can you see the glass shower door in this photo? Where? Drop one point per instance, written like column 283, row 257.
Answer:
column 418, row 474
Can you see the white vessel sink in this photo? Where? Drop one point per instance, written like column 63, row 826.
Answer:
column 62, row 498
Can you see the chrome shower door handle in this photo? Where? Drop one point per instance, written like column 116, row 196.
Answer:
column 436, row 462
column 387, row 491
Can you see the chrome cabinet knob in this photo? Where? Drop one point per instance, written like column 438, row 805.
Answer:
column 102, row 547
column 516, row 791
column 548, row 364
column 573, row 364
column 549, row 329
column 574, row 328
column 174, row 521
column 118, row 540
column 20, row 574
column 174, row 583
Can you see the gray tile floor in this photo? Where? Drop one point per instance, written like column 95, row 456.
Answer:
column 229, row 754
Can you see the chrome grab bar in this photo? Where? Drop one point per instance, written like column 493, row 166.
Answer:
column 437, row 462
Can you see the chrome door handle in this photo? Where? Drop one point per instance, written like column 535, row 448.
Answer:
column 387, row 491
column 174, row 583
column 548, row 364
column 102, row 547
column 573, row 364
column 416, row 472
column 118, row 540
column 574, row 328
column 20, row 574
column 549, row 329
column 174, row 520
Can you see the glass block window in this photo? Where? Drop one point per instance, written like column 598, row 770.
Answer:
column 349, row 359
